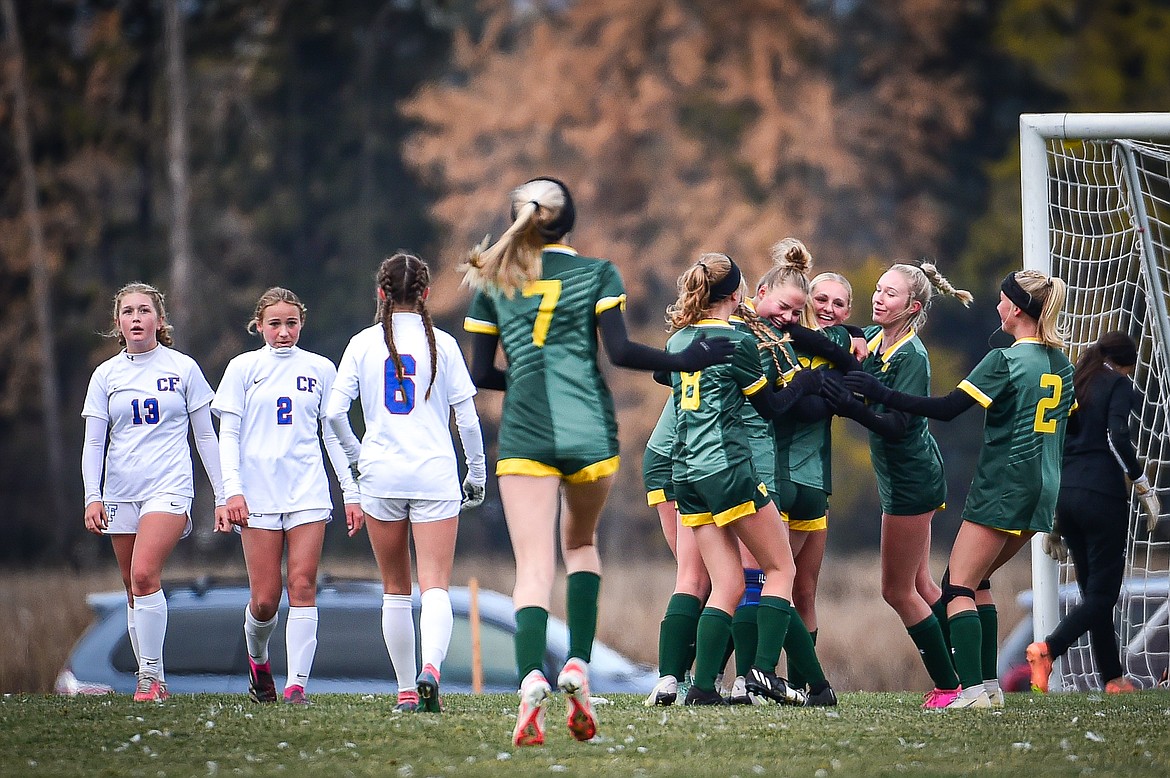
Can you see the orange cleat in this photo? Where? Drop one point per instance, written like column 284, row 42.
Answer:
column 1040, row 661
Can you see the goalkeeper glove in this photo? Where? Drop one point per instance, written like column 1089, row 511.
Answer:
column 1149, row 499
column 473, row 493
column 1054, row 546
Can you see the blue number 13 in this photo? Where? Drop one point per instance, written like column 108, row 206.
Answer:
column 147, row 413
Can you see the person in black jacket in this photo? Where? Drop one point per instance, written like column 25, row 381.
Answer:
column 1092, row 511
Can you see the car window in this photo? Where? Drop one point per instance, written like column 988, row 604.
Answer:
column 188, row 649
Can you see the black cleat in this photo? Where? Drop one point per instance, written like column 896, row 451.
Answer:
column 261, row 686
column 777, row 689
column 696, row 696
column 825, row 698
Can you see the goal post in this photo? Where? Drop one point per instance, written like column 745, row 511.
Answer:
column 1096, row 212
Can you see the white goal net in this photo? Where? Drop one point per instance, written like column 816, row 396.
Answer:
column 1107, row 214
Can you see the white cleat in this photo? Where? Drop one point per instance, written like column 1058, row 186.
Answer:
column 664, row 693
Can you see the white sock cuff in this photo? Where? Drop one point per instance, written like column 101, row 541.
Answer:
column 152, row 600
column 436, row 596
column 255, row 622
column 303, row 612
column 395, row 601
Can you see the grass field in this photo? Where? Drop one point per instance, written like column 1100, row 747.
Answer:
column 862, row 644
column 868, row 734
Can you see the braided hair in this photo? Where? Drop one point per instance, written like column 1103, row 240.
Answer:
column 769, row 341
column 403, row 280
column 922, row 281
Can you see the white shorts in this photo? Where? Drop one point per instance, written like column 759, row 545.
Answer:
column 286, row 521
column 124, row 516
column 419, row 511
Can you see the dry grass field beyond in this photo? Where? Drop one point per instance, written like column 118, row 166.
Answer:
column 861, row 642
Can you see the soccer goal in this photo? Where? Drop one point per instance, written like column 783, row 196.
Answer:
column 1096, row 212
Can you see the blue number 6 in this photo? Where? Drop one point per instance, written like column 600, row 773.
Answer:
column 400, row 395
column 284, row 410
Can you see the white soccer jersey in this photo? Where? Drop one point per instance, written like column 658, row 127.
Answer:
column 279, row 395
column 407, row 450
column 147, row 400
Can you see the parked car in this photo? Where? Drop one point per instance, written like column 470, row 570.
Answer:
column 1145, row 657
column 205, row 649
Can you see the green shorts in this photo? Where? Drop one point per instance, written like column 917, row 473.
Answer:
column 657, row 478
column 721, row 499
column 805, row 508
column 570, row 470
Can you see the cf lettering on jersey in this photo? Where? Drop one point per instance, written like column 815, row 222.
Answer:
column 168, row 384
column 306, row 383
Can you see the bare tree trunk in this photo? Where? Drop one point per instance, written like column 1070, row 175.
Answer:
column 182, row 289
column 63, row 520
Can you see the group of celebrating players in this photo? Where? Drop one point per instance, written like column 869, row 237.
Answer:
column 737, row 466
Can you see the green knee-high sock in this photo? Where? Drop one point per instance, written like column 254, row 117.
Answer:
column 939, row 609
column 531, row 631
column 745, row 635
column 802, row 655
column 989, row 654
column 773, row 617
column 581, row 594
column 676, row 636
column 795, row 676
column 711, row 638
column 967, row 647
column 927, row 635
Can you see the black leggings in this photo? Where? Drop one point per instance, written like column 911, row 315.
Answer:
column 1094, row 527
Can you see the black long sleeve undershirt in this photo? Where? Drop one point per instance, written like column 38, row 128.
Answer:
column 942, row 408
column 484, row 373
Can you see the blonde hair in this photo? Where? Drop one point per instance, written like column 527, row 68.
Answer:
column 1050, row 330
column 791, row 262
column 694, row 289
column 768, row 340
column 830, row 276
column 272, row 296
column 165, row 332
column 540, row 210
column 922, row 281
column 403, row 279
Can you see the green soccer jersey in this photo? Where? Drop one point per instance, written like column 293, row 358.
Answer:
column 909, row 470
column 1027, row 390
column 759, row 430
column 557, row 405
column 803, row 455
column 662, row 437
column 709, row 432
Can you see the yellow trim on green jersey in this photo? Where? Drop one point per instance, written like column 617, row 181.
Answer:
column 808, row 525
column 480, row 327
column 655, row 497
column 561, row 247
column 595, row 471
column 748, row 391
column 605, row 303
column 888, row 354
column 713, row 323
column 976, row 394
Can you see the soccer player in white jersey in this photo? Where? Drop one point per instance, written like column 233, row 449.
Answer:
column 271, row 403
column 410, row 376
column 137, row 410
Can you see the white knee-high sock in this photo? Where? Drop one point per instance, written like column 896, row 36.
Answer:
column 150, row 621
column 257, row 634
column 300, row 637
column 133, row 632
column 435, row 625
column 398, row 632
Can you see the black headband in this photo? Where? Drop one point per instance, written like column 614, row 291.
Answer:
column 1025, row 302
column 725, row 287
